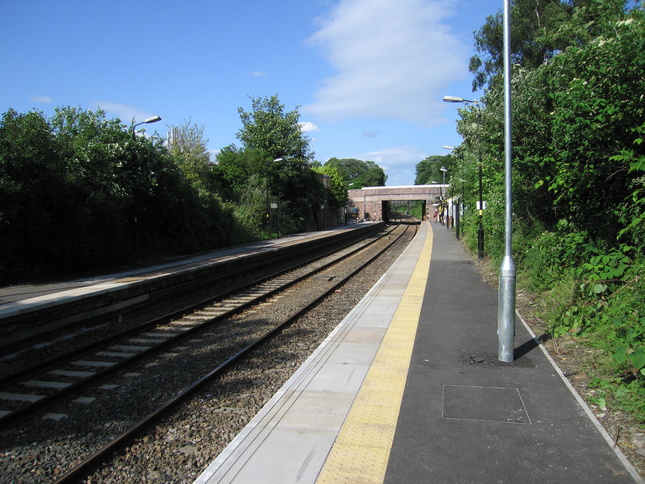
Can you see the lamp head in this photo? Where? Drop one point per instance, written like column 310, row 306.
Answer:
column 455, row 99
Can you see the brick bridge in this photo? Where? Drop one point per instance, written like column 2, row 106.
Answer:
column 375, row 201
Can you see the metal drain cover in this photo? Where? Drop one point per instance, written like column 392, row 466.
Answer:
column 484, row 403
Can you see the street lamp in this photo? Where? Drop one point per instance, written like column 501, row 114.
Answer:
column 269, row 224
column 153, row 119
column 457, row 211
column 444, row 206
column 480, row 231
column 507, row 272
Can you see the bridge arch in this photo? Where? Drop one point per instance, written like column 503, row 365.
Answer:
column 374, row 201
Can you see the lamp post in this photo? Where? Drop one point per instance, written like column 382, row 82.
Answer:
column 507, row 273
column 153, row 119
column 444, row 206
column 268, row 205
column 480, row 231
column 457, row 223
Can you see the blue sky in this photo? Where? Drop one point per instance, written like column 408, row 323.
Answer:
column 367, row 76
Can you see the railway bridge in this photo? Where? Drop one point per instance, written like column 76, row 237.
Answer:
column 374, row 202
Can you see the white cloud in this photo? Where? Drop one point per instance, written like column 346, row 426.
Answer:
column 393, row 60
column 124, row 112
column 398, row 163
column 41, row 99
column 308, row 126
column 258, row 74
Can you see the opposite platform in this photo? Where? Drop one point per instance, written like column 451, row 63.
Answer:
column 408, row 389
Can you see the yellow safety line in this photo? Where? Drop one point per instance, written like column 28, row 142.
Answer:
column 362, row 448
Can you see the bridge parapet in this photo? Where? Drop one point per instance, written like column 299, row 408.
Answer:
column 373, row 200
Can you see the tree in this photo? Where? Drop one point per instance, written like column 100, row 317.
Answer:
column 188, row 147
column 270, row 133
column 337, row 185
column 358, row 173
column 78, row 193
column 238, row 165
column 594, row 91
column 33, row 195
column 267, row 127
column 429, row 170
column 539, row 31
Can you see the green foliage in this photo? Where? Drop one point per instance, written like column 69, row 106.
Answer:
column 358, row 173
column 268, row 128
column 277, row 151
column 78, row 193
column 238, row 165
column 188, row 148
column 578, row 79
column 337, row 185
column 534, row 26
column 428, row 170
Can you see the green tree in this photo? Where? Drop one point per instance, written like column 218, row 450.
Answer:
column 539, row 31
column 269, row 128
column 594, row 91
column 78, row 193
column 238, row 165
column 33, row 195
column 271, row 133
column 188, row 147
column 358, row 173
column 429, row 170
column 337, row 185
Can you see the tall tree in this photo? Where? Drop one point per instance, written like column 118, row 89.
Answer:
column 337, row 185
column 538, row 32
column 188, row 147
column 429, row 170
column 275, row 134
column 359, row 173
column 268, row 127
column 33, row 194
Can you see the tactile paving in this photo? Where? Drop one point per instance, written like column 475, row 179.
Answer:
column 362, row 449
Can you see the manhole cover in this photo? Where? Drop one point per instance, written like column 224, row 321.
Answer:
column 484, row 403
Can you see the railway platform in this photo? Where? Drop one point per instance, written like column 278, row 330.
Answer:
column 408, row 389
column 31, row 310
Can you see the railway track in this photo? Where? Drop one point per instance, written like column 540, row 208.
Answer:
column 44, row 385
column 172, row 335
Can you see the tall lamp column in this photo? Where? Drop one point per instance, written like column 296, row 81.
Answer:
column 153, row 119
column 480, row 231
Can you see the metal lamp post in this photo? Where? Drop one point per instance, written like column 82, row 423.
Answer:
column 444, row 205
column 459, row 200
column 507, row 273
column 480, row 231
column 153, row 119
column 269, row 225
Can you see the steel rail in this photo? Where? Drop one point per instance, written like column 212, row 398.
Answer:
column 20, row 414
column 102, row 455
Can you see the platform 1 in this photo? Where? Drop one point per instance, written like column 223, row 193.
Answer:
column 408, row 389
column 23, row 297
column 29, row 311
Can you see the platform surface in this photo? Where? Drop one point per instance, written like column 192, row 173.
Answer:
column 22, row 298
column 408, row 389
